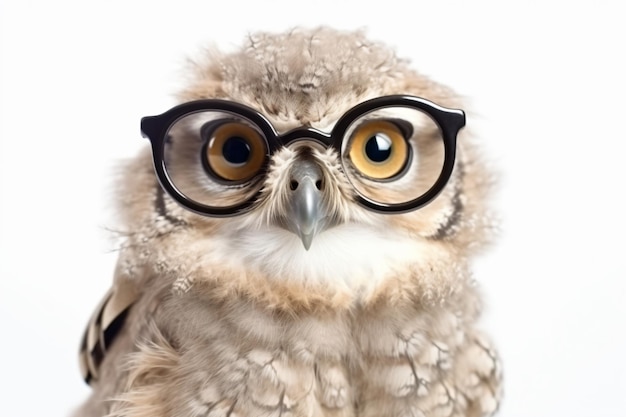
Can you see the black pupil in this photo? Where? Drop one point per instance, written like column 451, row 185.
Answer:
column 378, row 148
column 236, row 150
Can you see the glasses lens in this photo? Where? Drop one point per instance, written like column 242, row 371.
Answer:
column 215, row 158
column 393, row 155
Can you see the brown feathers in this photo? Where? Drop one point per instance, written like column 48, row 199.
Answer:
column 150, row 371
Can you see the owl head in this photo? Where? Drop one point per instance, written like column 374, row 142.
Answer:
column 311, row 168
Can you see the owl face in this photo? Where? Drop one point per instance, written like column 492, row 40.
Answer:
column 390, row 154
column 309, row 168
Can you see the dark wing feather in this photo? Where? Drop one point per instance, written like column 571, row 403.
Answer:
column 104, row 325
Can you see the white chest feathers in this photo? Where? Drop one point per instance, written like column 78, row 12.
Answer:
column 352, row 257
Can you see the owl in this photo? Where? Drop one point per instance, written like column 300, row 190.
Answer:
column 296, row 241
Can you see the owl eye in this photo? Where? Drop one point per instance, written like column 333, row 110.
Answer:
column 379, row 149
column 233, row 151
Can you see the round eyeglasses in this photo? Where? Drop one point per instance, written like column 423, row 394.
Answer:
column 212, row 156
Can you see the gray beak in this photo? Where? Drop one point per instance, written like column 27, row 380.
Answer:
column 306, row 214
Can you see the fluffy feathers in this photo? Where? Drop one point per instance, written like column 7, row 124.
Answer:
column 234, row 317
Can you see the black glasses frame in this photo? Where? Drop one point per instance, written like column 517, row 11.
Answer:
column 449, row 121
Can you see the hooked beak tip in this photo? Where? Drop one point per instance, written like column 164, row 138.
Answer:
column 307, row 239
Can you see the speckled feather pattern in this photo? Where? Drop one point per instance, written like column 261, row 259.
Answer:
column 233, row 317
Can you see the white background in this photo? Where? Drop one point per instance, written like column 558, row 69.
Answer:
column 545, row 84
